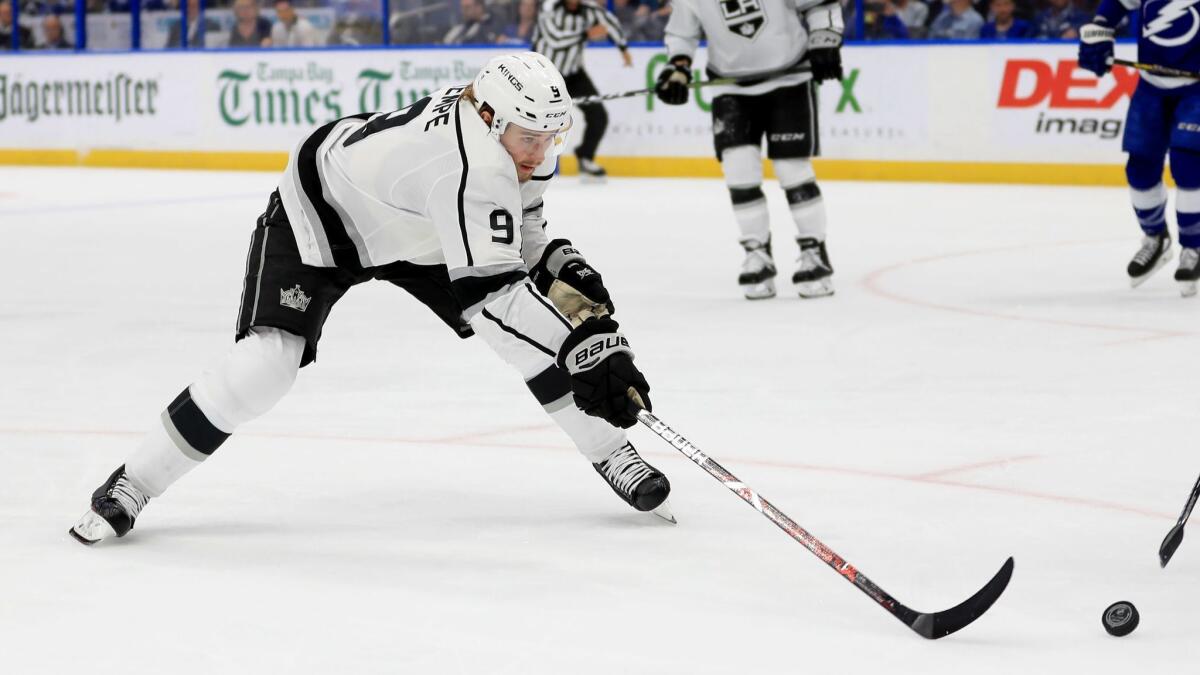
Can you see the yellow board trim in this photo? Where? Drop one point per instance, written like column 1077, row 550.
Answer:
column 662, row 167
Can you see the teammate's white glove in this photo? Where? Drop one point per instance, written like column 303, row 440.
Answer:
column 1096, row 42
column 575, row 287
column 825, row 28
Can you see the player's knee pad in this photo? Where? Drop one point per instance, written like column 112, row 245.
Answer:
column 742, row 166
column 257, row 373
column 803, row 194
column 794, row 172
column 1143, row 171
column 741, row 196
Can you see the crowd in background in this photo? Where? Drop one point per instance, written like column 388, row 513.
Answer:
column 269, row 23
column 970, row 19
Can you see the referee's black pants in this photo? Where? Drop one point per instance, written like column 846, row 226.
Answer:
column 595, row 117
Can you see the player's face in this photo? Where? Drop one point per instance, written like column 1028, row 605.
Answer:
column 527, row 148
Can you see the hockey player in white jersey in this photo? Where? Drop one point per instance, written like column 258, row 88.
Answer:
column 763, row 43
column 443, row 199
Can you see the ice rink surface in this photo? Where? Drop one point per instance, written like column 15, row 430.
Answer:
column 983, row 384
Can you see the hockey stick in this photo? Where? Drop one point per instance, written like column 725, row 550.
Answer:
column 1155, row 69
column 1175, row 537
column 927, row 625
column 802, row 68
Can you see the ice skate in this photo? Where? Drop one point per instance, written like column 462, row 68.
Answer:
column 757, row 277
column 1189, row 271
column 814, row 277
column 642, row 486
column 1154, row 253
column 591, row 172
column 115, row 505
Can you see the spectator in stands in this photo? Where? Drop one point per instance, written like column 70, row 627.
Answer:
column 1004, row 25
column 292, row 30
column 883, row 22
column 958, row 21
column 6, row 29
column 1060, row 20
column 850, row 18
column 44, row 7
column 122, row 6
column 521, row 31
column 251, row 29
column 652, row 22
column 195, row 36
column 914, row 14
column 53, row 36
column 419, row 21
column 356, row 30
column 477, row 26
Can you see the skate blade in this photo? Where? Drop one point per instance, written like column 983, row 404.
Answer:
column 663, row 511
column 91, row 528
column 1187, row 289
column 759, row 291
column 1165, row 258
column 592, row 180
column 815, row 289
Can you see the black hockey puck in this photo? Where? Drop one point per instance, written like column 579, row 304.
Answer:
column 1120, row 618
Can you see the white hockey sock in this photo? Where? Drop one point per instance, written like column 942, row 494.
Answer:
column 255, row 375
column 742, row 166
column 595, row 438
column 799, row 183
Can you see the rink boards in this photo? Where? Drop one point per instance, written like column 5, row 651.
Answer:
column 968, row 113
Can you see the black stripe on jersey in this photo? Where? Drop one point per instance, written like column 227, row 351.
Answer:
column 546, row 177
column 345, row 254
column 462, row 189
column 473, row 290
column 549, row 385
column 193, row 426
column 517, row 334
column 540, row 298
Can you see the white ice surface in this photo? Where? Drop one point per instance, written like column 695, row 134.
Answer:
column 983, row 384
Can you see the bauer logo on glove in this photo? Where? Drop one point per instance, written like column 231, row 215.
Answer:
column 590, row 353
column 604, row 381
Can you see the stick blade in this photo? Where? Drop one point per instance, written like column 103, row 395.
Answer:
column 940, row 624
column 1172, row 541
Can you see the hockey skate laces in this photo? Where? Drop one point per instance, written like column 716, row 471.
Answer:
column 1189, row 257
column 129, row 497
column 1150, row 246
column 625, row 468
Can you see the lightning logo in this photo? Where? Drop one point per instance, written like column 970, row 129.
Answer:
column 1171, row 11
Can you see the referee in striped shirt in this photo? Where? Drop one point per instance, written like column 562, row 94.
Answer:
column 562, row 29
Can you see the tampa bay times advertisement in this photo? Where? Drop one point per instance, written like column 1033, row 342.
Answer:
column 1021, row 103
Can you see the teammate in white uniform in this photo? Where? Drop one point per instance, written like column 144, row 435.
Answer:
column 763, row 43
column 443, row 199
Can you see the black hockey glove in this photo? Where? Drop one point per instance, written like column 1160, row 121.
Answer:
column 1096, row 46
column 574, row 286
column 602, row 372
column 673, row 81
column 825, row 55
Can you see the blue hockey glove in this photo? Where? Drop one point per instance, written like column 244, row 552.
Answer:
column 1096, row 46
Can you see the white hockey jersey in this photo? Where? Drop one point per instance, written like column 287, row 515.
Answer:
column 428, row 186
column 746, row 38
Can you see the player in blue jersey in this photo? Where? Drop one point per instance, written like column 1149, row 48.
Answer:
column 1164, row 117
